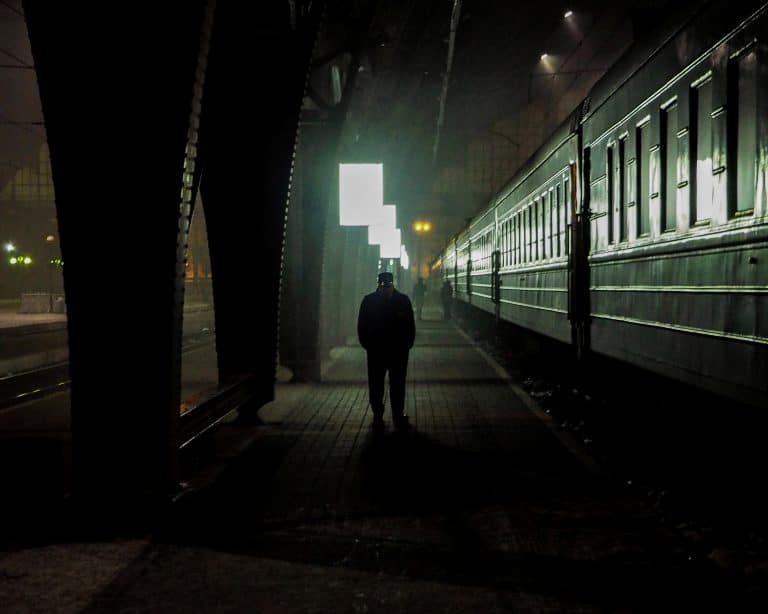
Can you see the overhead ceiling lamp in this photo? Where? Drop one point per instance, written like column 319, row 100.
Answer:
column 568, row 14
column 544, row 56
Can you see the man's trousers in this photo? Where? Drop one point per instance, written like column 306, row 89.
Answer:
column 379, row 363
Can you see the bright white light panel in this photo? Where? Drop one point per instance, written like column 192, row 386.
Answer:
column 404, row 260
column 386, row 221
column 390, row 247
column 377, row 234
column 361, row 193
column 386, row 216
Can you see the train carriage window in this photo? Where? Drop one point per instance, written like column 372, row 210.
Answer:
column 566, row 215
column 522, row 218
column 511, row 223
column 558, row 225
column 535, row 224
column 540, row 228
column 611, row 196
column 551, row 223
column 536, row 231
column 502, row 244
column 507, row 243
column 643, row 154
column 524, row 235
column 621, row 171
column 515, row 239
column 669, row 167
column 701, row 150
column 543, row 222
column 743, row 82
column 543, row 228
column 528, row 234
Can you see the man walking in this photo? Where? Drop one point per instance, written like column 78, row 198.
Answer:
column 386, row 329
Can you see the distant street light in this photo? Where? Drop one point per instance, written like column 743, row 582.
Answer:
column 568, row 14
column 421, row 227
column 9, row 247
column 50, row 240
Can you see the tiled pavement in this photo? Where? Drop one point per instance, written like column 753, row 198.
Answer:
column 481, row 508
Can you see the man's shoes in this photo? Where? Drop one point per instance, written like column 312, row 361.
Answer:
column 378, row 423
column 401, row 423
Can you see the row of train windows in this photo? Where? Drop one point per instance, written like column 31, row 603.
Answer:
column 535, row 232
column 482, row 251
column 539, row 230
column 714, row 142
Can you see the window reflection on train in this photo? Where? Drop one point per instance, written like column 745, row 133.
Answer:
column 639, row 229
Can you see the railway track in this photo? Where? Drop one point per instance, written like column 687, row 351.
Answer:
column 24, row 386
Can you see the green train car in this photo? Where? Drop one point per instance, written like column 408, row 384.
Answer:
column 639, row 230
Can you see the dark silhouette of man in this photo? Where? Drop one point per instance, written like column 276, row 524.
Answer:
column 446, row 296
column 419, row 290
column 386, row 329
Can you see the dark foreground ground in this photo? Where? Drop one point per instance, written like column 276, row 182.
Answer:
column 487, row 505
column 698, row 460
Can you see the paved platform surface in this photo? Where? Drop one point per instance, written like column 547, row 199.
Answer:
column 483, row 507
column 16, row 320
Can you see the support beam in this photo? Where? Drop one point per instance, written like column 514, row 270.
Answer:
column 120, row 127
column 258, row 69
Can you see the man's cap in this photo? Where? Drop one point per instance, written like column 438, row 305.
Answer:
column 386, row 278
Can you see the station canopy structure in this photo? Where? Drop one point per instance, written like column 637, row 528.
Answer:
column 453, row 97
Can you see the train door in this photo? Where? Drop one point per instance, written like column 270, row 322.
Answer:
column 578, row 257
column 469, row 278
column 469, row 271
column 455, row 267
column 496, row 281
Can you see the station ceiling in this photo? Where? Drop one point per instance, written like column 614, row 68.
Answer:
column 497, row 76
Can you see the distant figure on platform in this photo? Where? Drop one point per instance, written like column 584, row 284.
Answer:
column 446, row 296
column 419, row 291
column 386, row 330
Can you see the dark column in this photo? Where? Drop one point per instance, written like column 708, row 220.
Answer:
column 333, row 257
column 254, row 89
column 303, row 278
column 117, row 85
